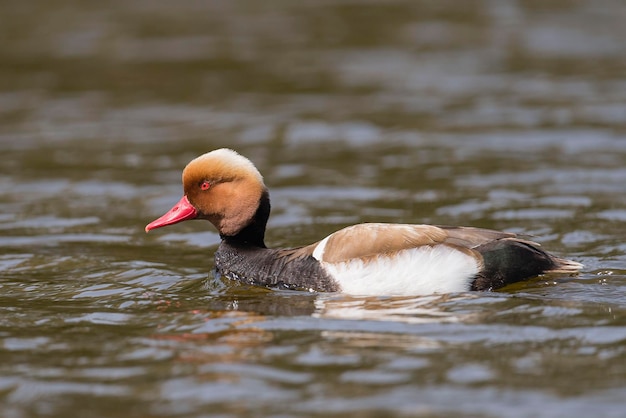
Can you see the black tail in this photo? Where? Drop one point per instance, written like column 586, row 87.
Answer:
column 511, row 260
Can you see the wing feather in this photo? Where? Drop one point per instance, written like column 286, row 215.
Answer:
column 372, row 239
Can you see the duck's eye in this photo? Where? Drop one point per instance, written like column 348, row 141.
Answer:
column 205, row 185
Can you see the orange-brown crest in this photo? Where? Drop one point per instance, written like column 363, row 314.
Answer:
column 234, row 191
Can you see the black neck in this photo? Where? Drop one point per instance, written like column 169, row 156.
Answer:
column 254, row 233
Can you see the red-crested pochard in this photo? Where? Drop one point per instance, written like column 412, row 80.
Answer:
column 366, row 259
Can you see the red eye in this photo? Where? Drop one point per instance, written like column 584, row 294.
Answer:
column 205, row 185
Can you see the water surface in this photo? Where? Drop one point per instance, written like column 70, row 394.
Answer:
column 497, row 114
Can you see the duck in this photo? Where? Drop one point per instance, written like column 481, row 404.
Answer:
column 369, row 259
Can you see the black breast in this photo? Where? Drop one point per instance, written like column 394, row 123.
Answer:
column 272, row 268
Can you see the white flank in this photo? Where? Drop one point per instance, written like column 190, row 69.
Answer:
column 417, row 271
column 318, row 253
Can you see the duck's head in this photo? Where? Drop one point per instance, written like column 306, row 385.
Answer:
column 220, row 186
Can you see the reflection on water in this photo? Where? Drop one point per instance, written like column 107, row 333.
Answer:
column 497, row 114
column 408, row 310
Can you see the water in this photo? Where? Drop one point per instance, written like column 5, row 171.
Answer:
column 498, row 114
